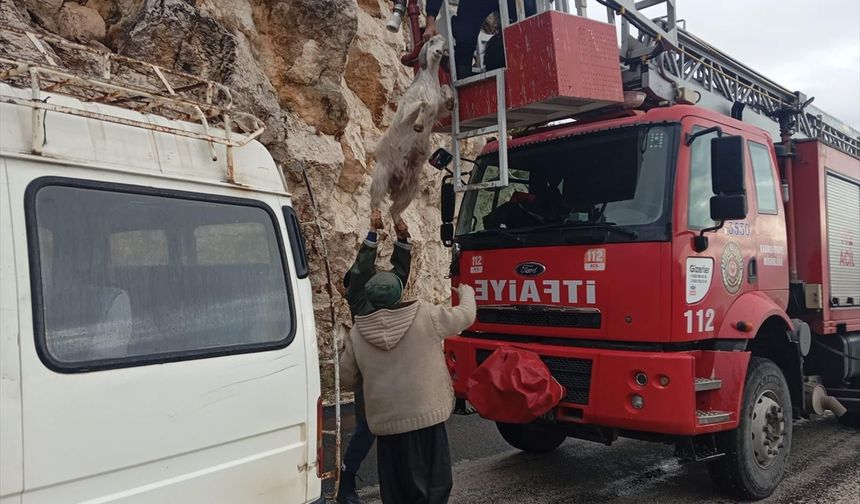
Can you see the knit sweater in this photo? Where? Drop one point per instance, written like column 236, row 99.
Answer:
column 398, row 353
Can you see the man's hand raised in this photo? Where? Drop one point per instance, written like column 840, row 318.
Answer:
column 376, row 220
column 430, row 29
column 401, row 230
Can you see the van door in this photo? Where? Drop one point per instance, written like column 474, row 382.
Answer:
column 161, row 361
column 11, row 439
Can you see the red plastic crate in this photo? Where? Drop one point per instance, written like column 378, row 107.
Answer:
column 558, row 65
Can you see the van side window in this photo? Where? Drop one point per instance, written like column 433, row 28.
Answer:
column 126, row 276
column 699, row 203
column 765, row 186
column 147, row 247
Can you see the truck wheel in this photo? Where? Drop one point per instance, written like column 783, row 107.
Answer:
column 850, row 419
column 757, row 451
column 530, row 439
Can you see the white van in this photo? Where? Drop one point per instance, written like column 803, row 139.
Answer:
column 157, row 340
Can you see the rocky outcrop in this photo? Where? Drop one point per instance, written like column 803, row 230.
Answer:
column 324, row 75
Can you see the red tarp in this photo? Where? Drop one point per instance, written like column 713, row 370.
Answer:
column 513, row 386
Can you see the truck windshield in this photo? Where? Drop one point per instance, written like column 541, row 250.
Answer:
column 609, row 180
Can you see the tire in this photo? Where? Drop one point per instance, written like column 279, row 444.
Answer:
column 746, row 470
column 850, row 419
column 530, row 439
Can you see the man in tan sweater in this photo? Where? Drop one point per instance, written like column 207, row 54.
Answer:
column 397, row 350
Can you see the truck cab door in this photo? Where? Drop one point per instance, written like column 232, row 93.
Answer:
column 771, row 257
column 706, row 282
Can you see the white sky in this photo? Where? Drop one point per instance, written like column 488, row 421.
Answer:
column 812, row 46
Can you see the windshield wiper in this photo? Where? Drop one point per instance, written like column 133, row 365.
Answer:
column 500, row 231
column 607, row 226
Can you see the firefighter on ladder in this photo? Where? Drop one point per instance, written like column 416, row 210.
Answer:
column 466, row 25
column 355, row 281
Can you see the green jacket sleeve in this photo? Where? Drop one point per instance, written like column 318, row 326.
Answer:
column 361, row 271
column 401, row 260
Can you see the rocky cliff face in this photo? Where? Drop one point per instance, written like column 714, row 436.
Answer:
column 324, row 75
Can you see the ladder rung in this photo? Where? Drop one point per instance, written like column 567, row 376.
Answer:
column 477, row 132
column 329, row 432
column 477, row 78
column 327, row 362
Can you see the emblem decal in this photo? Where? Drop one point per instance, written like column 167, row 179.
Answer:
column 732, row 267
column 530, row 269
column 699, row 272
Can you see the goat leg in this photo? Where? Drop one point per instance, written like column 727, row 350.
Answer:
column 447, row 98
column 421, row 118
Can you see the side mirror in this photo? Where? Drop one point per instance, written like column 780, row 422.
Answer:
column 440, row 159
column 446, row 233
column 728, row 207
column 446, row 211
column 727, row 179
column 448, row 198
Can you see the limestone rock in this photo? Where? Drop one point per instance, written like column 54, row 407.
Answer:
column 113, row 11
column 308, row 75
column 374, row 8
column 373, row 68
column 79, row 22
column 43, row 11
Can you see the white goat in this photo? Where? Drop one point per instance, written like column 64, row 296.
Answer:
column 405, row 145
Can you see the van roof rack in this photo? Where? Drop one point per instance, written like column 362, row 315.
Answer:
column 120, row 81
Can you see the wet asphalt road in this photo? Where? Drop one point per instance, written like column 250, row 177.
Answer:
column 824, row 468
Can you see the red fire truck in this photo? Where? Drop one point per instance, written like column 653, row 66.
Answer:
column 677, row 241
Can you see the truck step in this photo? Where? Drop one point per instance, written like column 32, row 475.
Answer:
column 712, row 417
column 703, row 384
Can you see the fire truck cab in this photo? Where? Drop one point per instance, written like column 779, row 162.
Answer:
column 683, row 275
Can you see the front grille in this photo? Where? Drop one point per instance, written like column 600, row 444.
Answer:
column 574, row 374
column 544, row 318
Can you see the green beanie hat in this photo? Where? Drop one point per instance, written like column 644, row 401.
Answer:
column 384, row 289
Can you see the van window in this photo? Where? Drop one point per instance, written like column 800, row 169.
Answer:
column 138, row 248
column 127, row 277
column 765, row 187
column 231, row 244
column 701, row 190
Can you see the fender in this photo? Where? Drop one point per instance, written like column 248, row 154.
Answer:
column 753, row 308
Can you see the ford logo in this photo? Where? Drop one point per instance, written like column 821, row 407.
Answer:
column 530, row 269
